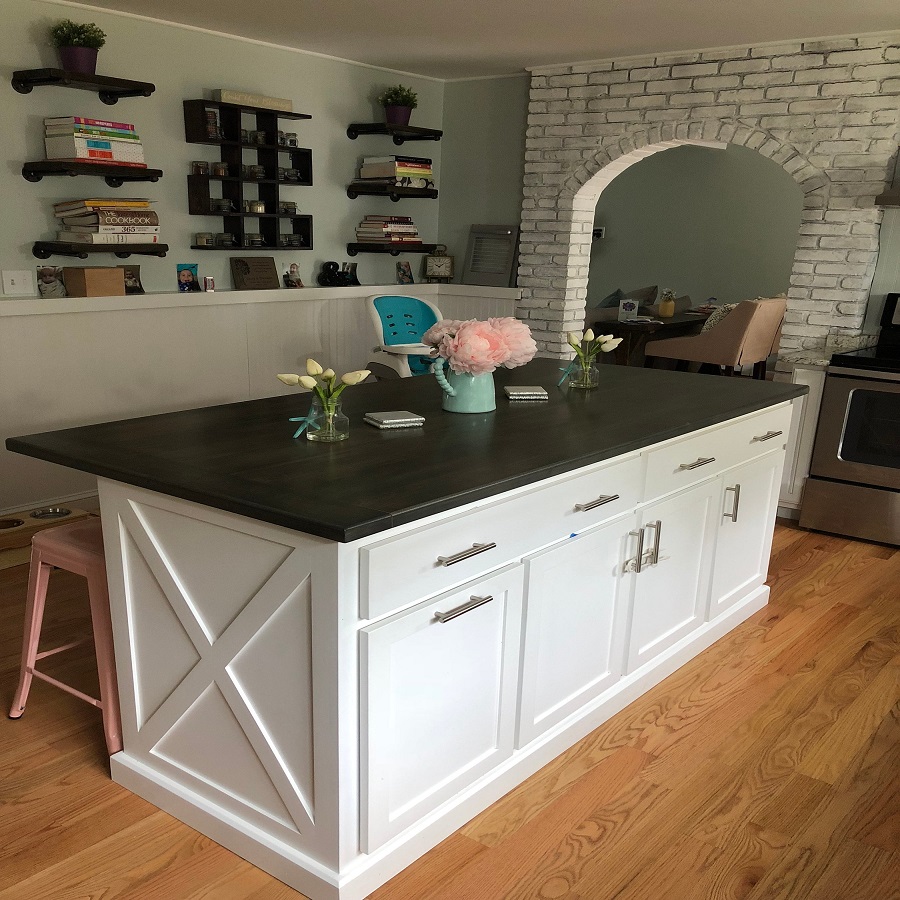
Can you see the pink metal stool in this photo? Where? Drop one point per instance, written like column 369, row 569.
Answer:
column 77, row 548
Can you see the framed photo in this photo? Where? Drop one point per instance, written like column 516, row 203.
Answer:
column 50, row 281
column 291, row 276
column 254, row 273
column 132, row 279
column 188, row 281
column 404, row 273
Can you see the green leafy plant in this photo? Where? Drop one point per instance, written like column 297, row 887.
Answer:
column 77, row 34
column 398, row 95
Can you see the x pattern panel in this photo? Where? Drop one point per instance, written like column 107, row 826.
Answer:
column 219, row 623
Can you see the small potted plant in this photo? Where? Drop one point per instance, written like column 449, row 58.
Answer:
column 78, row 43
column 398, row 102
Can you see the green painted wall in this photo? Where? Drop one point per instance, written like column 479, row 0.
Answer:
column 704, row 222
column 482, row 157
column 187, row 64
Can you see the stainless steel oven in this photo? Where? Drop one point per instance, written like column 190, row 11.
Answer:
column 854, row 483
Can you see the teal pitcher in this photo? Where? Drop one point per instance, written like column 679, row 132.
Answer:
column 465, row 393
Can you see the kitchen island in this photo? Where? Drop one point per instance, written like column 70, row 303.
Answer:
column 332, row 656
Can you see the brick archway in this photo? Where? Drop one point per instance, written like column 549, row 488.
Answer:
column 560, row 289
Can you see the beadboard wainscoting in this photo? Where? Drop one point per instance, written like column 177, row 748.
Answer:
column 77, row 361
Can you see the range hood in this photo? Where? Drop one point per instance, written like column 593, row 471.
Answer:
column 891, row 197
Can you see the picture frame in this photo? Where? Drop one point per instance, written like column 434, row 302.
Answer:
column 50, row 282
column 132, row 279
column 404, row 273
column 188, row 279
column 254, row 273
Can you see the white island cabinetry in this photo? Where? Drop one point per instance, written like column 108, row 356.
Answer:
column 342, row 707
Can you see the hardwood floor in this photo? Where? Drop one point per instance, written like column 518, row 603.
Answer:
column 768, row 767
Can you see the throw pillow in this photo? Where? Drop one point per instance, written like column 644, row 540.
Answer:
column 610, row 300
column 717, row 315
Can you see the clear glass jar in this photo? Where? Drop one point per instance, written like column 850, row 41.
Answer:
column 585, row 374
column 326, row 421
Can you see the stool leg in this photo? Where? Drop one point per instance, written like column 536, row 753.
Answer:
column 38, row 576
column 106, row 664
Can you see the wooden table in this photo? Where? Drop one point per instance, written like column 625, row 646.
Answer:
column 636, row 333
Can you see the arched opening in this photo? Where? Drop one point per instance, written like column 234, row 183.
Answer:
column 706, row 222
column 554, row 287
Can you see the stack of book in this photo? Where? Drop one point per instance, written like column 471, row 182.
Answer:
column 397, row 171
column 128, row 220
column 77, row 139
column 388, row 230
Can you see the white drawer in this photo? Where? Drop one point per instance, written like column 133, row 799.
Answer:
column 701, row 455
column 399, row 571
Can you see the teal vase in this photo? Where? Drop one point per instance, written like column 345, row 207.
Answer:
column 465, row 393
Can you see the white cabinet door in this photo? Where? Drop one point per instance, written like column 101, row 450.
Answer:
column 438, row 698
column 575, row 618
column 672, row 588
column 748, row 504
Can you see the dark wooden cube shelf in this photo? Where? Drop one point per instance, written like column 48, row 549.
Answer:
column 269, row 155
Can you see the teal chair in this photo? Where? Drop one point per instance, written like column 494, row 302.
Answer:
column 400, row 322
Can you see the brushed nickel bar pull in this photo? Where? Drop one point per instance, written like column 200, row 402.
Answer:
column 639, row 559
column 657, row 534
column 584, row 507
column 703, row 461
column 767, row 436
column 737, row 502
column 473, row 603
column 474, row 550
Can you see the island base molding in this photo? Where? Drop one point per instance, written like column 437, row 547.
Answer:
column 320, row 883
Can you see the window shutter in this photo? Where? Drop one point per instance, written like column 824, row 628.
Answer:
column 491, row 255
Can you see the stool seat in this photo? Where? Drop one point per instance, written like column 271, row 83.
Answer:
column 78, row 548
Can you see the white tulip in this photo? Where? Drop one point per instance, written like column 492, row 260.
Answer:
column 328, row 374
column 575, row 338
column 605, row 338
column 308, row 381
column 289, row 379
column 356, row 377
column 313, row 368
column 589, row 334
column 611, row 344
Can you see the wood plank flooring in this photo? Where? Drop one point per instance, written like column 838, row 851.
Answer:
column 766, row 769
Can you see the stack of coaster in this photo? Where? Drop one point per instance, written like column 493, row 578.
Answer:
column 394, row 419
column 526, row 392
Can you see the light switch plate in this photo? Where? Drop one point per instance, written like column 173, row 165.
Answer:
column 18, row 283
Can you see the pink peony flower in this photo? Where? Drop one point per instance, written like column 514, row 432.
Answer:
column 436, row 334
column 476, row 348
column 519, row 341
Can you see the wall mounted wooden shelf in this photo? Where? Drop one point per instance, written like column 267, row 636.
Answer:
column 356, row 189
column 393, row 249
column 46, row 249
column 270, row 155
column 115, row 175
column 399, row 133
column 111, row 90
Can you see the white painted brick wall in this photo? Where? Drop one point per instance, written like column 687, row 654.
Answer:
column 825, row 110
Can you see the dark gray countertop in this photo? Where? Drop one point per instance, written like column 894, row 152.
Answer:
column 241, row 457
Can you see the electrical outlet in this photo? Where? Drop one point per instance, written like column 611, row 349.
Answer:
column 18, row 283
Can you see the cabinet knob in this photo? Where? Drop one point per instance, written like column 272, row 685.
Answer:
column 472, row 603
column 474, row 550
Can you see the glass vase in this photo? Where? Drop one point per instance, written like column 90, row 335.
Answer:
column 585, row 375
column 326, row 422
